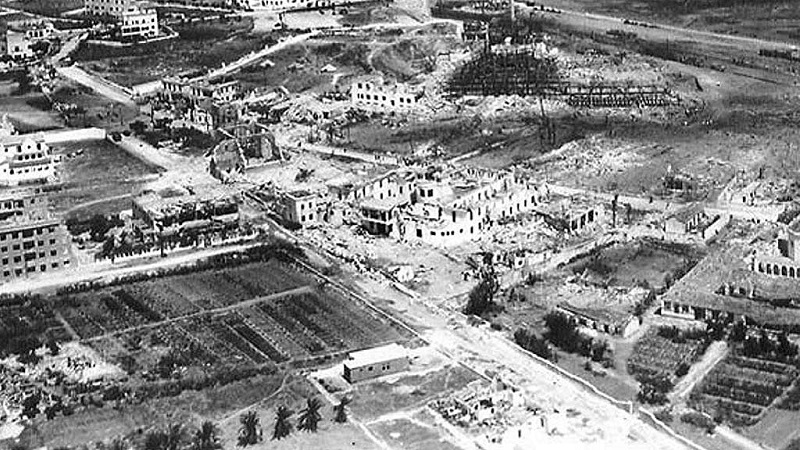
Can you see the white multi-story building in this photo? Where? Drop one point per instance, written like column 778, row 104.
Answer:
column 293, row 5
column 375, row 95
column 112, row 8
column 138, row 21
column 25, row 159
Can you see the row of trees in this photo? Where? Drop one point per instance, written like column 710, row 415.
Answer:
column 308, row 420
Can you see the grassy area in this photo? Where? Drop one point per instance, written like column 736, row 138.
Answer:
column 404, row 433
column 772, row 19
column 30, row 112
column 191, row 407
column 776, row 429
column 96, row 170
column 199, row 47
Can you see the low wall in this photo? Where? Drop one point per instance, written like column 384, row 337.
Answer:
column 82, row 134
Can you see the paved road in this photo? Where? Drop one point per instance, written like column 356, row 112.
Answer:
column 107, row 271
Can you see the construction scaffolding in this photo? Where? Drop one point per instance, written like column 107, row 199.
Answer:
column 518, row 72
column 525, row 72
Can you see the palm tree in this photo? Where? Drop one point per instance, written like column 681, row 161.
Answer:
column 206, row 438
column 310, row 417
column 283, row 427
column 250, row 431
column 176, row 436
column 170, row 439
column 340, row 414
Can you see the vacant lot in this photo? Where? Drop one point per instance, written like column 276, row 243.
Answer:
column 372, row 400
column 407, row 434
column 637, row 263
column 30, row 112
column 199, row 47
column 93, row 171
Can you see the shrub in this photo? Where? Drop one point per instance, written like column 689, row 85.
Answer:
column 682, row 370
column 699, row 420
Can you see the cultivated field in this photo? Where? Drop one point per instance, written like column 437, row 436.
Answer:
column 256, row 314
column 654, row 354
column 744, row 386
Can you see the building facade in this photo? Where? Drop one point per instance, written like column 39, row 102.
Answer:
column 25, row 159
column 31, row 241
column 138, row 22
column 300, row 207
column 377, row 96
column 375, row 362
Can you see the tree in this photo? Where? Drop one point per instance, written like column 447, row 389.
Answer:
column 529, row 341
column 206, row 437
column 172, row 438
column 53, row 346
column 738, row 332
column 340, row 413
column 283, row 426
column 310, row 416
column 250, row 429
column 481, row 297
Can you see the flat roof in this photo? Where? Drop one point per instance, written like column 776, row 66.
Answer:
column 371, row 356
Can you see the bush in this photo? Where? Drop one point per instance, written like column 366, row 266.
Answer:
column 682, row 370
column 700, row 421
column 664, row 415
column 534, row 344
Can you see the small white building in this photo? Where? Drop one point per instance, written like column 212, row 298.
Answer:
column 300, row 207
column 375, row 362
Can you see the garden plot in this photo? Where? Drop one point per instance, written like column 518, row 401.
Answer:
column 744, row 387
column 134, row 305
column 655, row 354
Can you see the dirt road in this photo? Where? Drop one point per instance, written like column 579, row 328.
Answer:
column 97, row 84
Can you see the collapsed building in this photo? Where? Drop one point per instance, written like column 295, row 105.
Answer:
column 375, row 95
column 168, row 222
column 203, row 105
column 19, row 37
column 445, row 207
column 242, row 147
column 31, row 239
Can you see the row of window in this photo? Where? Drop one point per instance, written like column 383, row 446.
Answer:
column 28, row 257
column 18, row 148
column 447, row 233
column 26, row 245
column 27, row 233
column 42, row 268
column 376, row 97
column 35, row 169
